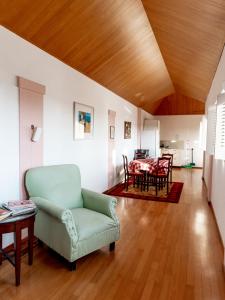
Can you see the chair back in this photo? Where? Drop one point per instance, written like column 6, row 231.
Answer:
column 125, row 164
column 60, row 184
column 163, row 165
column 141, row 153
column 169, row 155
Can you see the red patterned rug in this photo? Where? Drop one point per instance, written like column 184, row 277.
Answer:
column 135, row 193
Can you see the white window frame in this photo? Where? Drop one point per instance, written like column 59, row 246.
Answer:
column 220, row 127
column 211, row 130
column 203, row 133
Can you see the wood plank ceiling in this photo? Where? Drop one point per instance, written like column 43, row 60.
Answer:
column 191, row 36
column 109, row 41
column 178, row 104
column 113, row 43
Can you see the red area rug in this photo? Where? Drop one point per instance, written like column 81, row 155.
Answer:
column 135, row 193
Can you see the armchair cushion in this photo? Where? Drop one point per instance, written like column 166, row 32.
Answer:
column 90, row 223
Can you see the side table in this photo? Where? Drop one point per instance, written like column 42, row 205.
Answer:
column 15, row 225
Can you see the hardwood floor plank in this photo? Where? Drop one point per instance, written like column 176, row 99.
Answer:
column 166, row 252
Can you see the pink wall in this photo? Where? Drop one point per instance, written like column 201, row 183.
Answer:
column 30, row 113
column 111, row 150
column 139, row 127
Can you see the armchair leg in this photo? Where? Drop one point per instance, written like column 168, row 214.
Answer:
column 112, row 246
column 72, row 265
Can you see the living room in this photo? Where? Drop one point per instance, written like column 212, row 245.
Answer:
column 160, row 242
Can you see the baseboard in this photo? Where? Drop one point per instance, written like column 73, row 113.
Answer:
column 214, row 216
column 182, row 167
column 24, row 246
column 107, row 191
column 220, row 237
column 206, row 191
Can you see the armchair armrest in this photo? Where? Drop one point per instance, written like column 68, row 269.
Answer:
column 63, row 215
column 100, row 203
column 49, row 207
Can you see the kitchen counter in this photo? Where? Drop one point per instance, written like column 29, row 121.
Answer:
column 178, row 155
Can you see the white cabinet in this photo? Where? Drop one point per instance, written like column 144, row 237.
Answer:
column 178, row 156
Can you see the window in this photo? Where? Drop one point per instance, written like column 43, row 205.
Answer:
column 220, row 128
column 211, row 130
column 202, row 133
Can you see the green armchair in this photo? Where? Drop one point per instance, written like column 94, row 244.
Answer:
column 71, row 220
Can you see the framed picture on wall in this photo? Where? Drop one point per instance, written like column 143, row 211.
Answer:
column 127, row 130
column 83, row 116
column 112, row 132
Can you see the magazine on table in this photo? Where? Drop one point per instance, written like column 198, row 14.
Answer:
column 19, row 207
column 4, row 213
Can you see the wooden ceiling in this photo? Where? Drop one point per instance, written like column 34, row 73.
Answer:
column 178, row 104
column 191, row 36
column 109, row 41
column 112, row 42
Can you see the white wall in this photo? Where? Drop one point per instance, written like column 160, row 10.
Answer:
column 150, row 137
column 64, row 85
column 144, row 116
column 183, row 128
column 218, row 175
column 9, row 136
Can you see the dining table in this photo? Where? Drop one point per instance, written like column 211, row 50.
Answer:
column 148, row 165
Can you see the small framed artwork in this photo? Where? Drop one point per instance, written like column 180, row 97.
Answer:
column 112, row 132
column 83, row 121
column 127, row 130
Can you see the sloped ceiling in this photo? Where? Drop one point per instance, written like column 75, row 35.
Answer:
column 177, row 104
column 191, row 36
column 112, row 42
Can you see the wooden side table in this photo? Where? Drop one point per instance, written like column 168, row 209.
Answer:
column 16, row 224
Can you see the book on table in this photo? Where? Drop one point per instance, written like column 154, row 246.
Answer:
column 20, row 207
column 4, row 213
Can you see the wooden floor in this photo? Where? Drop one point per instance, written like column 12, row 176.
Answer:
column 166, row 251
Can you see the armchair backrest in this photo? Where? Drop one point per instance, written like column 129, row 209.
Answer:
column 60, row 184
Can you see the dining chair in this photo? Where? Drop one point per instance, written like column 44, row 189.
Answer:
column 171, row 164
column 136, row 176
column 141, row 153
column 160, row 177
